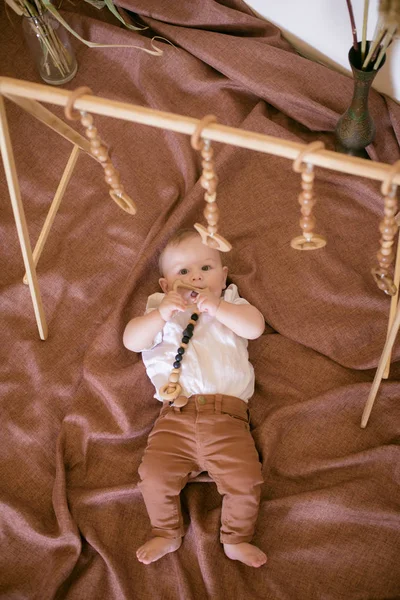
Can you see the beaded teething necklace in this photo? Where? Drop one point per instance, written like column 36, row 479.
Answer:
column 172, row 390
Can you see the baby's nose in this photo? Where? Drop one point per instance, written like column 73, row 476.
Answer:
column 198, row 276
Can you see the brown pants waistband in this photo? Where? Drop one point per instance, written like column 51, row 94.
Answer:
column 212, row 403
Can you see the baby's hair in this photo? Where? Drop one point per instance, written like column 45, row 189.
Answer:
column 178, row 237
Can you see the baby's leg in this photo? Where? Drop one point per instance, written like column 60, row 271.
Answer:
column 234, row 464
column 166, row 464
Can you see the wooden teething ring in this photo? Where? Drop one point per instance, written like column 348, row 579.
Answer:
column 388, row 228
column 172, row 391
column 209, row 182
column 309, row 240
column 99, row 150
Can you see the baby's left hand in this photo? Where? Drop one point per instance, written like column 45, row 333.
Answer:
column 207, row 302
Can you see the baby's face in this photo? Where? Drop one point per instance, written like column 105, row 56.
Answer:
column 195, row 264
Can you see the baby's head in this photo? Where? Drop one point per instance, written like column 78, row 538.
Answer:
column 185, row 257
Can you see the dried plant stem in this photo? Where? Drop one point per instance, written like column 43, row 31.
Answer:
column 378, row 37
column 52, row 47
column 353, row 25
column 388, row 40
column 364, row 30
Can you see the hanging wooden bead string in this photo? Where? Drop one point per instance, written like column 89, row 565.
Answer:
column 172, row 390
column 388, row 228
column 209, row 182
column 99, row 150
column 308, row 240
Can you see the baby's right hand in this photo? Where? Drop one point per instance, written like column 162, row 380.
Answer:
column 170, row 304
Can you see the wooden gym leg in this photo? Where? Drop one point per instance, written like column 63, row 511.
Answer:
column 20, row 221
column 62, row 186
column 381, row 367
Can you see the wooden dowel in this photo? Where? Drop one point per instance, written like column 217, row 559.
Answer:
column 62, row 186
column 20, row 221
column 381, row 366
column 187, row 125
column 45, row 116
column 393, row 304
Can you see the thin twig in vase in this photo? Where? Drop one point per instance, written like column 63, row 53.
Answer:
column 373, row 50
column 364, row 30
column 388, row 40
column 353, row 25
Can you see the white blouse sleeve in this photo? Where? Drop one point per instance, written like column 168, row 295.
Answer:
column 153, row 302
column 232, row 295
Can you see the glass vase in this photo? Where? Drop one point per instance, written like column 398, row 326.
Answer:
column 51, row 49
column 356, row 129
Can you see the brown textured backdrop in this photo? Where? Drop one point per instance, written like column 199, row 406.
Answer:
column 76, row 410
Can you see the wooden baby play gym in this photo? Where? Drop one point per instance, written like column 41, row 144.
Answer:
column 81, row 103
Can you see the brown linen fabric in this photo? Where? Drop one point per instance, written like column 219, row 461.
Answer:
column 76, row 410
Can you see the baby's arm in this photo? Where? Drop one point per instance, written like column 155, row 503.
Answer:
column 243, row 319
column 141, row 331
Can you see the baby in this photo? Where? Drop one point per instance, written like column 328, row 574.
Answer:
column 207, row 427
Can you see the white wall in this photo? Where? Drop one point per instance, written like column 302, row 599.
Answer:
column 320, row 29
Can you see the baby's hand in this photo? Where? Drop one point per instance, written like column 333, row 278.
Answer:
column 207, row 302
column 170, row 304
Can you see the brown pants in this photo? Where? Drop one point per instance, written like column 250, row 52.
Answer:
column 211, row 433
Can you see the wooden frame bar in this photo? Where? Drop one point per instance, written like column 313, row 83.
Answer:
column 187, row 125
column 28, row 95
column 20, row 221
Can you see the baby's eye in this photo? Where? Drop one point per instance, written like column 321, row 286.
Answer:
column 206, row 268
column 183, row 272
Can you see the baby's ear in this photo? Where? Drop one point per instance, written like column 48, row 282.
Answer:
column 225, row 271
column 163, row 284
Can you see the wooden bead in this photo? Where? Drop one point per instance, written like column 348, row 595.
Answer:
column 210, row 219
column 212, row 229
column 96, row 143
column 306, row 210
column 307, row 185
column 389, row 212
column 307, row 177
column 307, row 223
column 112, row 179
column 388, row 229
column 207, row 154
column 212, row 208
column 208, row 175
column 391, row 202
column 97, row 151
column 174, row 377
column 306, row 201
column 109, row 169
column 87, row 120
column 384, row 261
column 210, row 185
column 91, row 133
column 207, row 165
column 306, row 195
column 210, row 198
column 103, row 155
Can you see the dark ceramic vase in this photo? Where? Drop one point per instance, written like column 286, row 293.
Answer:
column 355, row 129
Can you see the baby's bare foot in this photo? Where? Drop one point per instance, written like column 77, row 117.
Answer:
column 247, row 553
column 157, row 548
